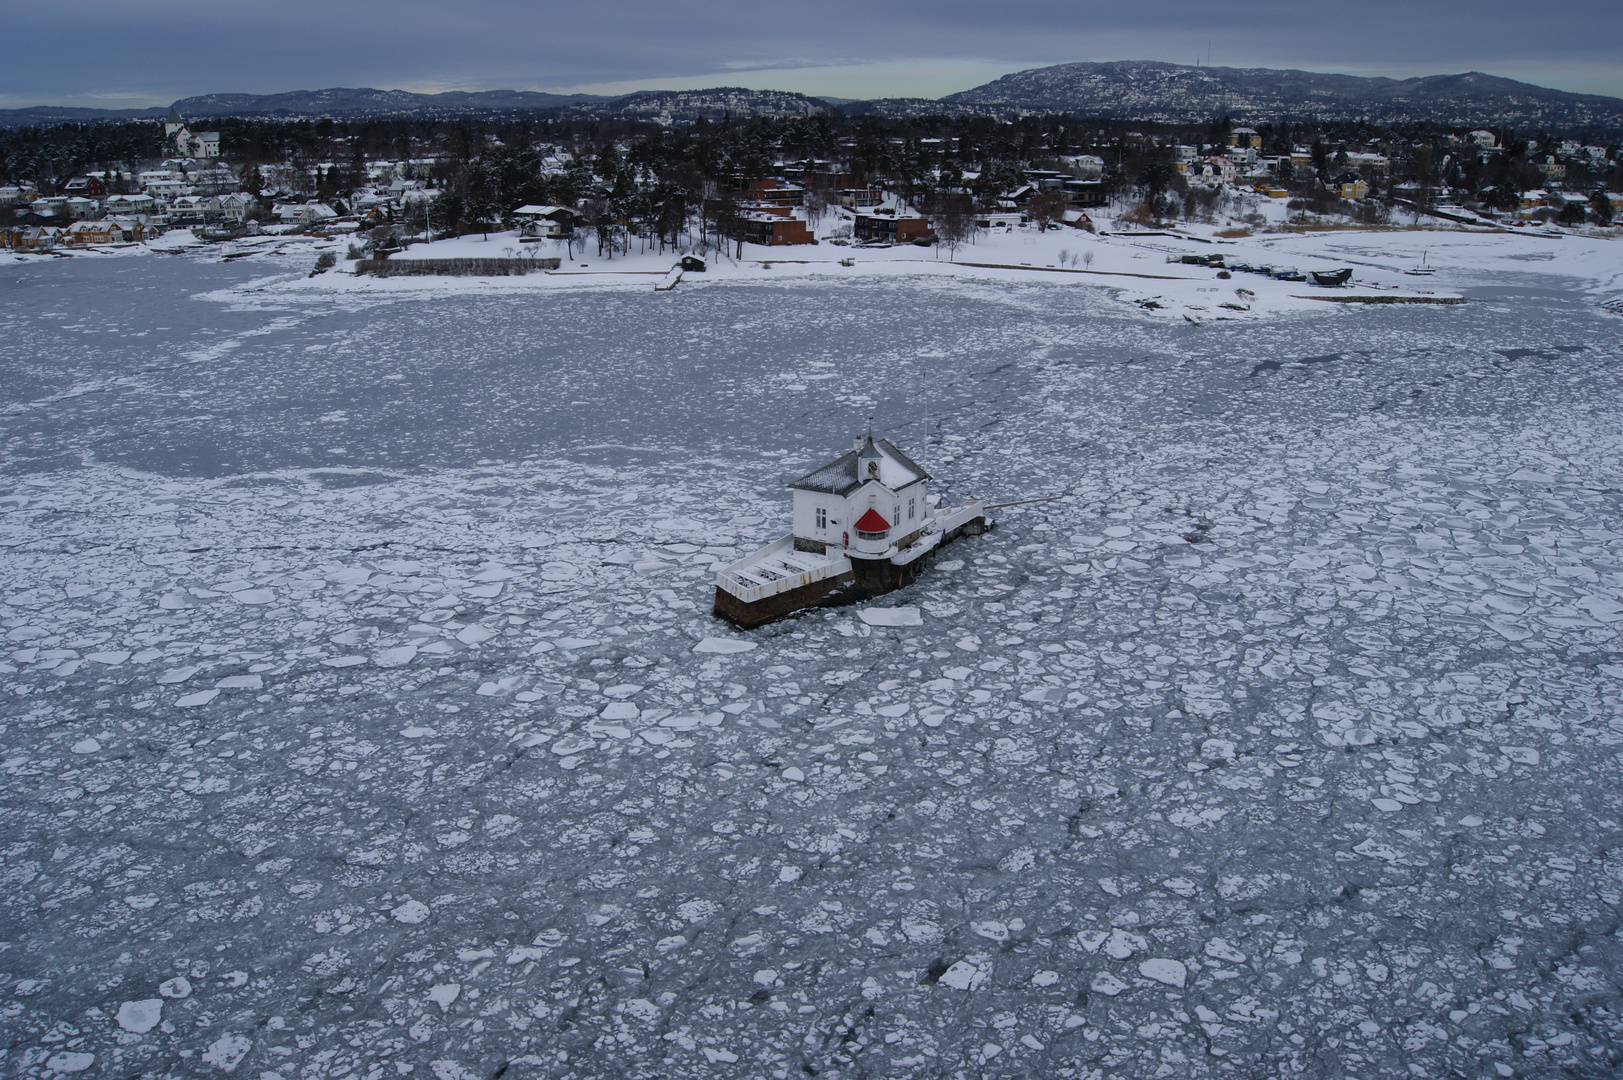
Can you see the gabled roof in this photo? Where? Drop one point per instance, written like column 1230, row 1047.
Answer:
column 841, row 476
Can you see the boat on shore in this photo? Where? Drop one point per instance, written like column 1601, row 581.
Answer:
column 1333, row 278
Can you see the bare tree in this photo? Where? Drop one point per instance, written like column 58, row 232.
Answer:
column 1048, row 208
column 954, row 221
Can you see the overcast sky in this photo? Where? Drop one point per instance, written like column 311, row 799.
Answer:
column 120, row 53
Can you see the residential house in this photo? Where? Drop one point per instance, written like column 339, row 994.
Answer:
column 884, row 225
column 130, row 229
column 204, row 144
column 190, row 208
column 130, row 204
column 1244, row 137
column 18, row 194
column 32, row 238
column 770, row 191
column 1369, row 164
column 859, row 197
column 774, row 228
column 1349, row 185
column 89, row 187
column 232, row 206
column 1084, row 166
column 50, row 206
column 1551, row 168
column 1085, row 192
column 544, row 222
column 94, row 232
column 1487, row 140
column 165, row 187
column 1243, row 155
column 303, row 213
column 79, row 208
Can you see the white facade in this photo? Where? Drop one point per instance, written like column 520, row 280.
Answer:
column 188, row 206
column 232, row 207
column 549, row 222
column 863, row 503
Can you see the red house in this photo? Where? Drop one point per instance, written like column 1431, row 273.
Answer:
column 86, row 187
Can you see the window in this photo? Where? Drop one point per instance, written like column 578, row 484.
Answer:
column 822, row 518
column 896, row 512
column 910, row 503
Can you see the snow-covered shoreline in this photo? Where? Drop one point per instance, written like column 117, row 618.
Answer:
column 1132, row 266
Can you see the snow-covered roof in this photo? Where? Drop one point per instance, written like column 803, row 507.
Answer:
column 843, row 475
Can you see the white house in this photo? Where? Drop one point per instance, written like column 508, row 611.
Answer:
column 867, row 502
column 190, row 206
column 204, row 144
column 303, row 213
column 547, row 222
column 130, row 204
column 233, row 206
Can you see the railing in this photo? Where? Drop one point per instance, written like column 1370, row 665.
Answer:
column 733, row 579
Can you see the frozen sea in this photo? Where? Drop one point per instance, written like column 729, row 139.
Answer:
column 363, row 715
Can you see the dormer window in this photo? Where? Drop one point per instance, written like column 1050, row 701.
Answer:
column 871, row 526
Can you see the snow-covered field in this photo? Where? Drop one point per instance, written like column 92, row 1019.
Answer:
column 363, row 714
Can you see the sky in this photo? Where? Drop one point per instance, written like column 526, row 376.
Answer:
column 119, row 53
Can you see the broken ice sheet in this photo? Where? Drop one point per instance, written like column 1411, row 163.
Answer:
column 1162, row 750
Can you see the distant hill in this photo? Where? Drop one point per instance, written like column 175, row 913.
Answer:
column 364, row 102
column 669, row 106
column 689, row 105
column 46, row 115
column 1129, row 90
column 1175, row 93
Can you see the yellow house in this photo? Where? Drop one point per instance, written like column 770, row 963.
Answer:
column 1350, row 187
column 94, row 232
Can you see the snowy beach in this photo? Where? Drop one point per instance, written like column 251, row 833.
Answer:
column 364, row 715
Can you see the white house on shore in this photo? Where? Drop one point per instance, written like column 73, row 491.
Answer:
column 868, row 502
column 544, row 222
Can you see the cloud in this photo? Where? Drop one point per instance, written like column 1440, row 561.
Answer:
column 159, row 50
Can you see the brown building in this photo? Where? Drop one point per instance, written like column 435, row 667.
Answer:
column 769, row 189
column 881, row 226
column 769, row 229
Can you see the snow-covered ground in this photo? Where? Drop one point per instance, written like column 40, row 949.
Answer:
column 363, row 713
